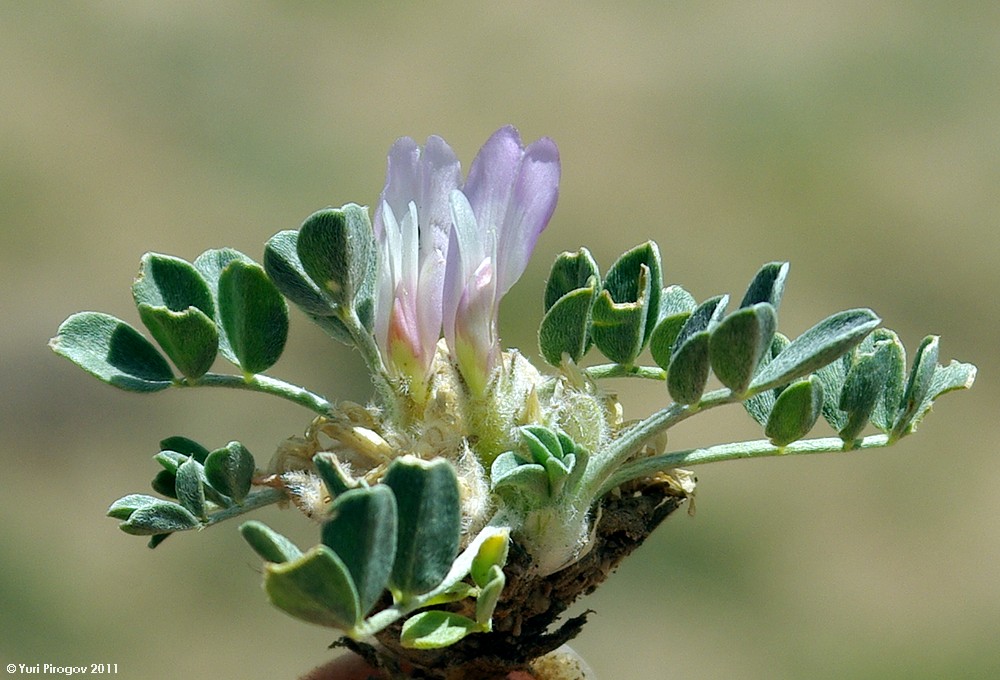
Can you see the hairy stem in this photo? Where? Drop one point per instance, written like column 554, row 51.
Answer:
column 604, row 465
column 622, row 371
column 266, row 385
column 364, row 341
column 760, row 448
column 254, row 500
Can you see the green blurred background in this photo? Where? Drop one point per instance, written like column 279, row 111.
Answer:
column 857, row 140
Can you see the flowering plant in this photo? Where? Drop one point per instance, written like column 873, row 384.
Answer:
column 475, row 497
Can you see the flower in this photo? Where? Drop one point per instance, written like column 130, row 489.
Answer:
column 448, row 253
column 412, row 228
column 506, row 202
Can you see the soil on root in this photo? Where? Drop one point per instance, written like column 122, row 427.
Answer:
column 529, row 605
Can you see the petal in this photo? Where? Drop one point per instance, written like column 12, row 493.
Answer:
column 533, row 200
column 407, row 356
column 409, row 249
column 440, row 174
column 401, row 179
column 389, row 254
column 491, row 178
column 476, row 342
column 467, row 251
column 430, row 290
column 426, row 177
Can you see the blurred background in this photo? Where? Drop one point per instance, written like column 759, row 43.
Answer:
column 857, row 140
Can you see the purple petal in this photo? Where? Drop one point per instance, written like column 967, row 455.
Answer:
column 401, row 180
column 491, row 178
column 440, row 174
column 533, row 200
column 426, row 177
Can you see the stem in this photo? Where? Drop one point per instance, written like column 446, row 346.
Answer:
column 363, row 340
column 253, row 501
column 623, row 371
column 365, row 343
column 604, row 465
column 266, row 385
column 760, row 448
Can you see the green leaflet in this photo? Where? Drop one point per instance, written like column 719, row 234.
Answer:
column 337, row 250
column 337, row 481
column 818, row 346
column 886, row 408
column 676, row 305
column 739, row 342
column 112, row 351
column 362, row 531
column 760, row 404
column 489, row 595
column 268, row 543
column 430, row 523
column 927, row 381
column 864, row 385
column 675, row 300
column 176, row 305
column 687, row 373
column 185, row 446
column 315, row 587
column 282, row 264
column 172, row 283
column 519, row 483
column 230, row 470
column 126, row 505
column 954, row 376
column 795, row 411
column 618, row 328
column 254, row 316
column 570, row 272
column 194, row 484
column 768, row 285
column 629, row 276
column 628, row 306
column 188, row 337
column 565, row 326
column 210, row 264
column 436, row 629
column 161, row 517
column 704, row 317
column 190, row 487
column 689, row 367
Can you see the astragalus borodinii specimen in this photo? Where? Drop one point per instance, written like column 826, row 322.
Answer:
column 476, row 496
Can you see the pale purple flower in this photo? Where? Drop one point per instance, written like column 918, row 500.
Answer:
column 412, row 227
column 448, row 253
column 498, row 216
